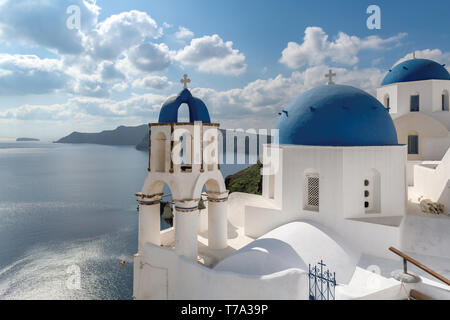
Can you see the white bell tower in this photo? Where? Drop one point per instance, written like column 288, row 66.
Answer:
column 184, row 156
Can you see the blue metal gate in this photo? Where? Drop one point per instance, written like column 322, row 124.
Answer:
column 321, row 284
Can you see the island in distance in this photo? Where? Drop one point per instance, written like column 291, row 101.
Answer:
column 26, row 139
column 136, row 136
column 120, row 136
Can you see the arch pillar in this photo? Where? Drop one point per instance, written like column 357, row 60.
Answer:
column 186, row 215
column 149, row 219
column 217, row 220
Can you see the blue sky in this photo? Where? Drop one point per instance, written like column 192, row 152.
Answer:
column 246, row 59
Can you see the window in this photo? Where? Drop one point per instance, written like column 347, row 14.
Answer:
column 159, row 153
column 414, row 103
column 444, row 100
column 387, row 101
column 371, row 192
column 413, row 144
column 312, row 191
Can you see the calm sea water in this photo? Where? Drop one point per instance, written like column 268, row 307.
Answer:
column 64, row 205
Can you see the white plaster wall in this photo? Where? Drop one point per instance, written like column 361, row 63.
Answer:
column 433, row 135
column 427, row 236
column 295, row 245
column 189, row 280
column 341, row 193
column 433, row 183
column 430, row 92
column 410, row 171
column 390, row 163
column 237, row 203
column 390, row 90
column 434, row 148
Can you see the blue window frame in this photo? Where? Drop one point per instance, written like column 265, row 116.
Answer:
column 415, row 103
column 413, row 144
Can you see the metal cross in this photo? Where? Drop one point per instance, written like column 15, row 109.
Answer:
column 185, row 81
column 330, row 76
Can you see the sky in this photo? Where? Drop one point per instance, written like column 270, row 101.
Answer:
column 117, row 61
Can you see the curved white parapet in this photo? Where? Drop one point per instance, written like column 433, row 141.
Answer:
column 294, row 245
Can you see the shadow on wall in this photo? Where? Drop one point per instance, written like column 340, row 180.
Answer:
column 263, row 257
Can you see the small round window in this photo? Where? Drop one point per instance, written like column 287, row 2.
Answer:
column 366, row 182
column 366, row 193
column 366, row 204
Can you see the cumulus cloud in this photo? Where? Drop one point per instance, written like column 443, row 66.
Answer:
column 90, row 87
column 109, row 72
column 43, row 23
column 316, row 48
column 184, row 33
column 121, row 32
column 150, row 57
column 432, row 54
column 143, row 106
column 152, row 82
column 257, row 104
column 28, row 74
column 211, row 54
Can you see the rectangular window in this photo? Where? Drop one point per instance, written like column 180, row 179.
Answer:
column 388, row 104
column 415, row 103
column 413, row 144
column 312, row 192
column 443, row 103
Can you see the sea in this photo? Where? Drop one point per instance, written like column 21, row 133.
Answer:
column 68, row 216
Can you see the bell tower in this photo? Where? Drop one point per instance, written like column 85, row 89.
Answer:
column 184, row 156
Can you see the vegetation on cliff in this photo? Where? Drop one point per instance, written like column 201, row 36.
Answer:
column 248, row 180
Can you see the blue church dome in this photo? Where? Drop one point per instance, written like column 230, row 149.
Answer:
column 336, row 115
column 197, row 108
column 416, row 70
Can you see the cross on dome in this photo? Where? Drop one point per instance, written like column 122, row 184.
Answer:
column 330, row 76
column 185, row 81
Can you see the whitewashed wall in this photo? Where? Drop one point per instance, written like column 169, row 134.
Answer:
column 161, row 274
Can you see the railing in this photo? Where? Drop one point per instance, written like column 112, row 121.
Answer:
column 407, row 258
column 321, row 284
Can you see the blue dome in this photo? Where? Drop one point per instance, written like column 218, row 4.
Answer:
column 336, row 115
column 197, row 109
column 416, row 70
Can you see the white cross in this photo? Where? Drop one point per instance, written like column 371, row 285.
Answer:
column 330, row 76
column 185, row 81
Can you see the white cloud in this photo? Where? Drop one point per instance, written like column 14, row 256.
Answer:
column 28, row 74
column 432, row 54
column 184, row 33
column 253, row 106
column 120, row 87
column 121, row 32
column 143, row 107
column 317, row 49
column 211, row 54
column 43, row 23
column 109, row 72
column 256, row 105
column 150, row 57
column 152, row 82
column 90, row 86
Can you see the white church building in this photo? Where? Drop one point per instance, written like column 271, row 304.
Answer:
column 350, row 177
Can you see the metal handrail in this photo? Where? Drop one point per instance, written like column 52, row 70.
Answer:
column 407, row 258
